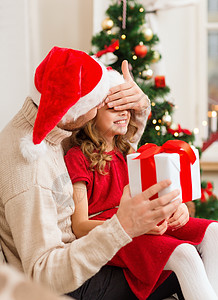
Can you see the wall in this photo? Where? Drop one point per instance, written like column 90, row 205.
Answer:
column 29, row 29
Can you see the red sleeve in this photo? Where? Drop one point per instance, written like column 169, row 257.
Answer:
column 77, row 165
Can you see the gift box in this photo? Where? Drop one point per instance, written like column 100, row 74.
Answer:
column 175, row 160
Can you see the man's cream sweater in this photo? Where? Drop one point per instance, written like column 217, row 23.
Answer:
column 36, row 205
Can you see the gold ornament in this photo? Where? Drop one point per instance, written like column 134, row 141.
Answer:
column 107, row 24
column 156, row 56
column 147, row 74
column 148, row 34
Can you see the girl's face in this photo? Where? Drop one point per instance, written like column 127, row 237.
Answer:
column 110, row 122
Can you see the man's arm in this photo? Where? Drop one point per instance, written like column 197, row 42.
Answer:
column 63, row 267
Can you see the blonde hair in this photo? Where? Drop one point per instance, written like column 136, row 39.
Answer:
column 93, row 145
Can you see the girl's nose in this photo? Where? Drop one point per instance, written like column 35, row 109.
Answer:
column 123, row 112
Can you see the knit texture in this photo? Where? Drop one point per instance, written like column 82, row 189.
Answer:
column 36, row 205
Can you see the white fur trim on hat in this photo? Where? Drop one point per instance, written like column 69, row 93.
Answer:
column 110, row 78
column 30, row 151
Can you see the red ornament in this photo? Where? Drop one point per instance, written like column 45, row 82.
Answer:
column 141, row 50
column 160, row 81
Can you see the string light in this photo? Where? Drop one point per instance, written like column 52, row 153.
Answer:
column 141, row 9
column 159, row 121
column 109, row 32
column 157, row 127
column 196, row 130
column 176, row 134
column 204, row 123
column 213, row 114
column 154, row 121
column 123, row 36
column 134, row 57
column 152, row 103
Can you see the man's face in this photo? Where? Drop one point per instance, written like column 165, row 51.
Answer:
column 81, row 121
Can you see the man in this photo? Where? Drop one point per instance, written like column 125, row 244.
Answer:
column 36, row 196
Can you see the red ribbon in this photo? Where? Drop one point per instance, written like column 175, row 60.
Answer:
column 179, row 130
column 208, row 190
column 111, row 48
column 148, row 169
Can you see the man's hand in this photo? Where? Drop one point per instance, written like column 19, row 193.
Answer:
column 179, row 218
column 139, row 215
column 127, row 95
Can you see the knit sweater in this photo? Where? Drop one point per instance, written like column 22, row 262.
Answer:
column 36, row 205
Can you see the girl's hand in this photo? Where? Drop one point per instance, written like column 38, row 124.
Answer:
column 159, row 229
column 179, row 218
column 127, row 95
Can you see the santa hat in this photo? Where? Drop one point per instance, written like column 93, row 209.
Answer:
column 68, row 83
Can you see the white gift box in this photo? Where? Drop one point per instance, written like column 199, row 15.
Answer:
column 167, row 166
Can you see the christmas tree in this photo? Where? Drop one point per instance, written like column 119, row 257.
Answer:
column 125, row 35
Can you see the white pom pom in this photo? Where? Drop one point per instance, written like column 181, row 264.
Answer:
column 29, row 150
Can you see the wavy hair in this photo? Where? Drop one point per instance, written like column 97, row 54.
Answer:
column 93, row 145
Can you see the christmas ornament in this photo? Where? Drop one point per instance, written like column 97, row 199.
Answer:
column 148, row 33
column 115, row 30
column 111, row 48
column 167, row 119
column 156, row 56
column 141, row 50
column 207, row 191
column 160, row 81
column 107, row 24
column 179, row 131
column 163, row 130
column 147, row 74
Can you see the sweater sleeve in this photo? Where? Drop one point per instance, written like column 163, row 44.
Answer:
column 141, row 121
column 32, row 217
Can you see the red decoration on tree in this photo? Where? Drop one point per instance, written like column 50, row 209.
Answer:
column 150, row 115
column 179, row 130
column 111, row 48
column 208, row 190
column 160, row 81
column 141, row 50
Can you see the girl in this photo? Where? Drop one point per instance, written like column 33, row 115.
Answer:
column 98, row 171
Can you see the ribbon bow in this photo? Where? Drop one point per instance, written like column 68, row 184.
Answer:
column 208, row 190
column 111, row 48
column 171, row 146
column 179, row 130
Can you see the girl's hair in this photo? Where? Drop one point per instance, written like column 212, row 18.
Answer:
column 93, row 144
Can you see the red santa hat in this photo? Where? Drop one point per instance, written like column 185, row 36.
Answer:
column 68, row 84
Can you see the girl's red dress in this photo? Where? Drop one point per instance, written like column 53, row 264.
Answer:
column 143, row 259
